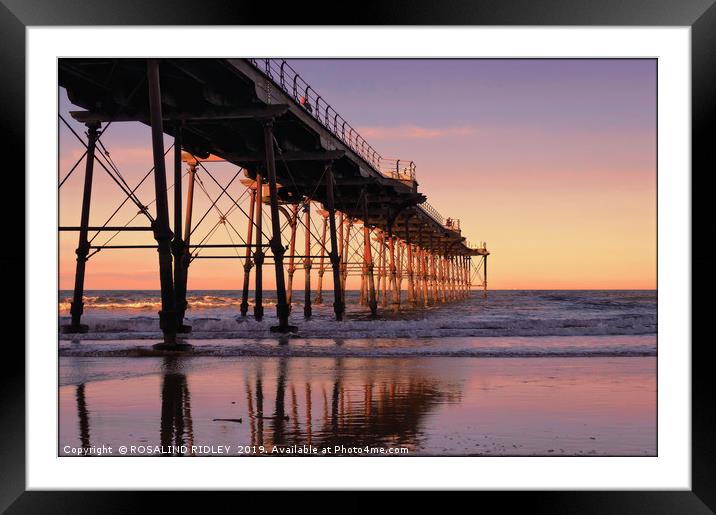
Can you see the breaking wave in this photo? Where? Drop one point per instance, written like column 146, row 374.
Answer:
column 214, row 315
column 581, row 346
column 147, row 303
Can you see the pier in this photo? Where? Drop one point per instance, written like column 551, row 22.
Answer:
column 317, row 197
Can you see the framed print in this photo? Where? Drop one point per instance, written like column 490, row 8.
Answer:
column 399, row 257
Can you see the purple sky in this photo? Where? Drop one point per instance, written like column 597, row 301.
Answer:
column 551, row 161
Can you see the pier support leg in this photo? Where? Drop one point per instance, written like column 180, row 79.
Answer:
column 466, row 271
column 410, row 262
column 321, row 264
column 484, row 272
column 416, row 274
column 282, row 308
column 259, row 251
column 77, row 304
column 368, row 257
column 424, row 274
column 307, row 263
column 461, row 275
column 431, row 270
column 458, row 279
column 438, row 279
column 178, row 244
column 247, row 257
column 341, row 247
column 444, row 277
column 461, row 270
column 291, row 256
column 361, row 296
column 433, row 279
column 393, row 271
column 333, row 255
column 399, row 267
column 448, row 277
column 465, row 291
column 186, row 257
column 420, row 300
column 383, row 274
column 162, row 233
column 420, row 278
column 451, row 276
column 344, row 265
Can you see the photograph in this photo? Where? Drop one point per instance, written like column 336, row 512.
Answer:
column 356, row 257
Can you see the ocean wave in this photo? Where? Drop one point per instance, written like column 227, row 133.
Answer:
column 143, row 302
column 213, row 315
column 517, row 347
column 231, row 327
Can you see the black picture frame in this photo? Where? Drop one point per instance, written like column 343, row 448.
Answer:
column 700, row 15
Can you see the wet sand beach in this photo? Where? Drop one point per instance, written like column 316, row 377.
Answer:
column 427, row 405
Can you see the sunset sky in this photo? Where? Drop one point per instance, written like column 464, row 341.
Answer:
column 551, row 162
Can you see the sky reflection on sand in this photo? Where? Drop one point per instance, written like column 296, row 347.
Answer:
column 432, row 406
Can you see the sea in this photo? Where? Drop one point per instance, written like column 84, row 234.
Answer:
column 123, row 315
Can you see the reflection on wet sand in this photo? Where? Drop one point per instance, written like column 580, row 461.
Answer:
column 176, row 424
column 83, row 416
column 431, row 406
column 386, row 412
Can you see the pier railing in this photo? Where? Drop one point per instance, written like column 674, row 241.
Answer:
column 453, row 224
column 291, row 83
column 397, row 169
column 432, row 212
column 285, row 77
column 481, row 245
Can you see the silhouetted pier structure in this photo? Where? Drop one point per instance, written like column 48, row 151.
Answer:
column 358, row 213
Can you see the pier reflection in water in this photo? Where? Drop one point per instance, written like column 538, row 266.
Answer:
column 83, row 416
column 286, row 401
column 431, row 406
column 176, row 424
column 376, row 410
